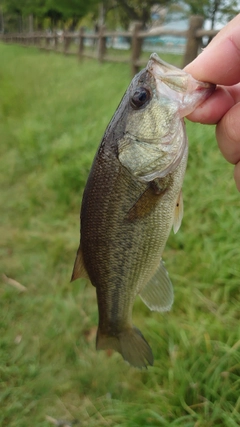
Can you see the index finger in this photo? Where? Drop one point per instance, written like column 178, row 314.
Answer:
column 219, row 63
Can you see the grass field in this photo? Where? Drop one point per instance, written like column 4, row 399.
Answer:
column 53, row 112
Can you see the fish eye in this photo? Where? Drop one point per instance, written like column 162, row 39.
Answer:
column 140, row 97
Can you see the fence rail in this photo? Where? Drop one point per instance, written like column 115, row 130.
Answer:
column 62, row 43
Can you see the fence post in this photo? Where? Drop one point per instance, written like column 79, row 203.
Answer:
column 136, row 48
column 66, row 42
column 191, row 52
column 81, row 43
column 38, row 39
column 32, row 39
column 26, row 41
column 47, row 41
column 55, row 40
column 101, row 44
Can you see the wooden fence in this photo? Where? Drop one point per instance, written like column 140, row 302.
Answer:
column 63, row 43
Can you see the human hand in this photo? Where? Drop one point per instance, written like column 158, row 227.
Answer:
column 219, row 63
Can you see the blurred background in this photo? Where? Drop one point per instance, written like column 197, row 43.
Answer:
column 53, row 113
column 26, row 15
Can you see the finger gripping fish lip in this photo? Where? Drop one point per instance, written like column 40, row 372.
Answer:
column 189, row 92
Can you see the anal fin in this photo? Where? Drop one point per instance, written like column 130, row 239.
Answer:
column 79, row 268
column 157, row 294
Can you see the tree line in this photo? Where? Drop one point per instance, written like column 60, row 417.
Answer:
column 70, row 14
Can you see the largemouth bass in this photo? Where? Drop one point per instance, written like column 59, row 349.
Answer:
column 132, row 200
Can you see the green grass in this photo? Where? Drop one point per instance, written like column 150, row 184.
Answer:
column 53, row 112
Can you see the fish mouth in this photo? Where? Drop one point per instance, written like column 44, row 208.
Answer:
column 178, row 85
column 174, row 76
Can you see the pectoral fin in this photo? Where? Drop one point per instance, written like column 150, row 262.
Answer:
column 144, row 205
column 158, row 292
column 79, row 268
column 178, row 213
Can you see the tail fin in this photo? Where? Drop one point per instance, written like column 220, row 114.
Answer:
column 130, row 343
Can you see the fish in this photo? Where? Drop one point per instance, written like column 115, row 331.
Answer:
column 132, row 199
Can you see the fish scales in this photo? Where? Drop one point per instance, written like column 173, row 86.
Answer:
column 131, row 201
column 109, row 264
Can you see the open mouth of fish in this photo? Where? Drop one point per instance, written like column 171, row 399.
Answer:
column 169, row 78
